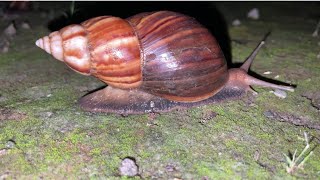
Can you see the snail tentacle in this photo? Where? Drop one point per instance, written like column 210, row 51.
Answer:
column 246, row 65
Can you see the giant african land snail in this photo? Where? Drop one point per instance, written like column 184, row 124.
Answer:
column 152, row 62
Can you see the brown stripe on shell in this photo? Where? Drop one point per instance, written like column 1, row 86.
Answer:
column 122, row 79
column 159, row 85
column 207, row 84
column 182, row 61
column 162, row 23
column 115, row 52
column 46, row 42
column 169, row 32
column 75, row 48
column 165, row 40
column 184, row 43
column 104, row 45
column 74, row 52
column 56, row 45
column 73, row 35
column 99, row 22
column 150, row 18
column 50, row 44
column 205, row 93
column 111, row 32
column 92, row 21
column 194, row 57
column 180, row 73
column 131, row 85
column 112, row 58
column 136, row 19
column 118, row 70
column 201, row 79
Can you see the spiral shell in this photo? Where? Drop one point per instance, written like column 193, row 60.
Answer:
column 182, row 61
column 163, row 53
column 105, row 47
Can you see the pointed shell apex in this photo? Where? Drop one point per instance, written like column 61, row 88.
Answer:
column 39, row 43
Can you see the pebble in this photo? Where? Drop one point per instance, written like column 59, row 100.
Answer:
column 48, row 114
column 6, row 36
column 316, row 31
column 4, row 44
column 236, row 22
column 2, row 98
column 25, row 25
column 253, row 14
column 10, row 144
column 3, row 152
column 268, row 114
column 280, row 93
column 170, row 168
column 10, row 30
column 267, row 72
column 128, row 167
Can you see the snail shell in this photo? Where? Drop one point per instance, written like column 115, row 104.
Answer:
column 152, row 62
column 163, row 53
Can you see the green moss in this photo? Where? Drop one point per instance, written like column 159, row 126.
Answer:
column 75, row 137
column 56, row 139
column 111, row 165
column 257, row 173
column 56, row 154
column 23, row 164
column 265, row 136
column 216, row 172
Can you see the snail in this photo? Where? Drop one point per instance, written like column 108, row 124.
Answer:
column 152, row 62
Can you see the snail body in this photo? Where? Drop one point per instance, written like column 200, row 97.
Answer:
column 155, row 61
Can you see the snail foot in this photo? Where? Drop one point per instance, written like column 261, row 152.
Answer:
column 125, row 102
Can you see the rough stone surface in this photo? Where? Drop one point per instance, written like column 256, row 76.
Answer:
column 254, row 14
column 236, row 22
column 128, row 167
column 280, row 93
column 240, row 139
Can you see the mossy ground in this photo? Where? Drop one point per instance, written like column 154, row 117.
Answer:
column 54, row 139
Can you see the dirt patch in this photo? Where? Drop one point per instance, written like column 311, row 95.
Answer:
column 297, row 73
column 9, row 114
column 314, row 97
column 3, row 152
column 207, row 116
column 292, row 119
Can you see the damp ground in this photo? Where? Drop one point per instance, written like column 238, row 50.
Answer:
column 44, row 134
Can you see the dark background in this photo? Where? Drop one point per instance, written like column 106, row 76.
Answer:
column 205, row 12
